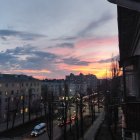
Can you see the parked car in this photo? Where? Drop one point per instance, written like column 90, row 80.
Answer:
column 62, row 123
column 38, row 129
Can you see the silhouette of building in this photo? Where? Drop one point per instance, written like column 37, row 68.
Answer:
column 55, row 85
column 129, row 46
column 81, row 82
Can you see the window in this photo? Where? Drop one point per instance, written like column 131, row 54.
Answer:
column 12, row 92
column 6, row 93
column 4, row 116
column 12, row 99
column 21, row 111
column 21, row 97
column 26, row 110
column 6, row 99
column 6, row 85
column 128, row 134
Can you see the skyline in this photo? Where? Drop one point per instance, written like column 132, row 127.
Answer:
column 50, row 39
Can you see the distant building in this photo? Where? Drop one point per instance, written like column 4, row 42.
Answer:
column 13, row 88
column 80, row 83
column 55, row 85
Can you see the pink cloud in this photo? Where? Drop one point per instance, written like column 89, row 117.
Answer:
column 99, row 69
column 60, row 51
column 93, row 42
column 32, row 71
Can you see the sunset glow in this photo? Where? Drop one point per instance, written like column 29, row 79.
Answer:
column 54, row 43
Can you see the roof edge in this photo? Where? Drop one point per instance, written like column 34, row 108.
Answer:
column 133, row 5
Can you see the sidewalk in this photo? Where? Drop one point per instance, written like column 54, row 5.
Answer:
column 18, row 122
column 105, row 133
column 91, row 133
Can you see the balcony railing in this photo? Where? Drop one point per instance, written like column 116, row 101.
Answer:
column 131, row 112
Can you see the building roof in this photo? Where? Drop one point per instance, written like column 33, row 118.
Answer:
column 130, row 4
column 128, row 27
column 16, row 78
column 129, row 32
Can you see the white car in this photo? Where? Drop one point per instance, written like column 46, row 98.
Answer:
column 38, row 129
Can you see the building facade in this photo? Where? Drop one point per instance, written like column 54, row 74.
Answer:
column 80, row 83
column 55, row 85
column 14, row 89
column 129, row 46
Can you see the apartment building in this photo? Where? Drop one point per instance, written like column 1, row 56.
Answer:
column 81, row 82
column 54, row 85
column 129, row 46
column 14, row 89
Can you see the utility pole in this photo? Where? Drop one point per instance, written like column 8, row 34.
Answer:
column 98, row 102
column 23, row 107
column 15, row 110
column 50, row 116
column 81, row 115
column 29, row 104
column 65, row 112
column 8, row 108
column 77, row 124
column 69, row 111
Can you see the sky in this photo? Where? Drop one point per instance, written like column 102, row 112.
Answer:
column 53, row 38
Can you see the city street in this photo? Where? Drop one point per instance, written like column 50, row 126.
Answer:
column 58, row 131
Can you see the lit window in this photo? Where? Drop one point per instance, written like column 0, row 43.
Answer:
column 21, row 97
column 21, row 111
column 6, row 93
column 26, row 110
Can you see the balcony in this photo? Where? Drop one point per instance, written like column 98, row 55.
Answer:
column 131, row 112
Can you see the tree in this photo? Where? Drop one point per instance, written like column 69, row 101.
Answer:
column 115, row 90
column 16, row 102
column 29, row 103
column 8, row 112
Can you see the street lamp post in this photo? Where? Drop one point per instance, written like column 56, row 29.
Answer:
column 29, row 104
column 77, row 126
column 81, row 114
column 8, row 108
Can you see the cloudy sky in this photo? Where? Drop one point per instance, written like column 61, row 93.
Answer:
column 52, row 38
